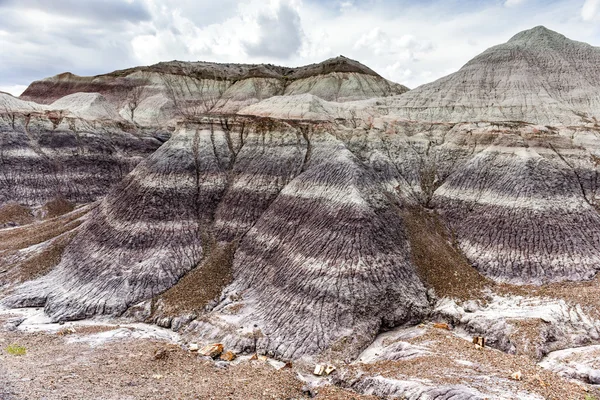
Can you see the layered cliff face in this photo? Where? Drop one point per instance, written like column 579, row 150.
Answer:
column 538, row 76
column 520, row 199
column 318, row 224
column 302, row 107
column 48, row 153
column 324, row 221
column 289, row 199
column 158, row 93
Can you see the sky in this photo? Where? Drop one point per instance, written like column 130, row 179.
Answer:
column 410, row 42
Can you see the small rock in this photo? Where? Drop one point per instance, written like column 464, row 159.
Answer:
column 517, row 376
column 221, row 364
column 308, row 391
column 212, row 350
column 441, row 325
column 228, row 356
column 160, row 354
column 479, row 341
column 319, row 370
column 193, row 347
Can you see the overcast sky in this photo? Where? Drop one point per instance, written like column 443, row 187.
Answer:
column 411, row 42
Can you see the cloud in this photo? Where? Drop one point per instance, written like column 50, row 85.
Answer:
column 345, row 5
column 280, row 34
column 398, row 72
column 36, row 42
column 513, row 3
column 254, row 31
column 15, row 90
column 113, row 10
column 590, row 10
column 405, row 47
column 411, row 42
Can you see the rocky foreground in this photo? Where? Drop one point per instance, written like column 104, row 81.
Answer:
column 436, row 243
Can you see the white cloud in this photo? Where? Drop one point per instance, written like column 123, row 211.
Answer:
column 15, row 90
column 513, row 3
column 405, row 47
column 432, row 38
column 280, row 33
column 255, row 31
column 346, row 5
column 409, row 42
column 397, row 72
column 590, row 10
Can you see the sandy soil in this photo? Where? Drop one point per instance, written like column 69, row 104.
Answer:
column 56, row 368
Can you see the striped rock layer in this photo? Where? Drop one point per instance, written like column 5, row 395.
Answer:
column 316, row 215
column 538, row 76
column 319, row 217
column 156, row 94
column 46, row 155
column 316, row 234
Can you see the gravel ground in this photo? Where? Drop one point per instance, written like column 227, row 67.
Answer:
column 455, row 361
column 584, row 293
column 5, row 388
column 54, row 368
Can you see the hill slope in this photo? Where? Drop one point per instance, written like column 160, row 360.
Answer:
column 319, row 234
column 61, row 151
column 194, row 88
column 538, row 76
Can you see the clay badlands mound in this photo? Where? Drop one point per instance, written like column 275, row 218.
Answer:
column 302, row 212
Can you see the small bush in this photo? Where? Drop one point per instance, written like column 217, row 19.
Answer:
column 16, row 350
column 57, row 207
column 12, row 213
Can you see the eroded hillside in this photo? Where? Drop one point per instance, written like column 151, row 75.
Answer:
column 323, row 215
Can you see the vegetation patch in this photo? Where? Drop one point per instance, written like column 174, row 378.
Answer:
column 43, row 262
column 201, row 285
column 440, row 264
column 57, row 207
column 16, row 350
column 13, row 213
column 26, row 236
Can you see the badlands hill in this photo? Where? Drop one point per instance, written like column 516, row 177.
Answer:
column 75, row 150
column 538, row 76
column 308, row 224
column 150, row 95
